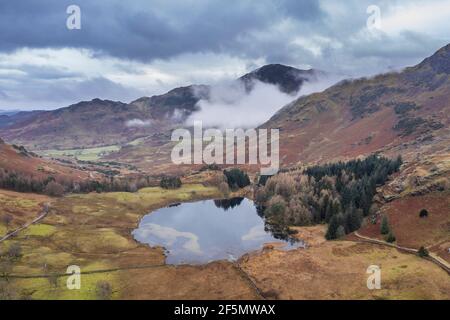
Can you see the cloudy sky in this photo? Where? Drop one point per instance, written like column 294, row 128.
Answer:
column 127, row 49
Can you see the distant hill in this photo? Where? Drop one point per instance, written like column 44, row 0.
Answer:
column 104, row 122
column 8, row 112
column 16, row 159
column 8, row 118
column 178, row 103
column 88, row 123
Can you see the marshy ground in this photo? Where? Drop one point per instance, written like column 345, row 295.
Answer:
column 93, row 231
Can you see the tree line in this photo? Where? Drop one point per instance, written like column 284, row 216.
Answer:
column 340, row 194
column 57, row 186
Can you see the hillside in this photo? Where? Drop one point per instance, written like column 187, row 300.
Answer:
column 403, row 113
column 27, row 164
column 88, row 123
column 397, row 113
column 99, row 123
column 406, row 112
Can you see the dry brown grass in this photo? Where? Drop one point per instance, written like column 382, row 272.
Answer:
column 94, row 232
column 411, row 230
column 337, row 270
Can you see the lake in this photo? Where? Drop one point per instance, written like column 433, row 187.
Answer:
column 204, row 231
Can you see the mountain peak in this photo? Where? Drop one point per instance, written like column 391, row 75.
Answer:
column 439, row 61
column 288, row 79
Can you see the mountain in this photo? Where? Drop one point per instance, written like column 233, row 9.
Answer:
column 179, row 103
column 15, row 159
column 9, row 118
column 403, row 113
column 8, row 112
column 398, row 113
column 288, row 79
column 100, row 123
column 88, row 123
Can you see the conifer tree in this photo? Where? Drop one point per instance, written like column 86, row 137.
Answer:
column 384, row 226
column 332, row 228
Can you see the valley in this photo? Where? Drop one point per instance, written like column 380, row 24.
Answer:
column 364, row 180
column 94, row 232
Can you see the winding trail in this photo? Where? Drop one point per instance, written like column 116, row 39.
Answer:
column 41, row 216
column 432, row 257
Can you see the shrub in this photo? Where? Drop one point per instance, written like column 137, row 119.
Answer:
column 332, row 228
column 422, row 252
column 53, row 280
column 340, row 232
column 54, row 189
column 260, row 195
column 390, row 237
column 7, row 292
column 298, row 214
column 285, row 186
column 15, row 251
column 384, row 226
column 170, row 183
column 276, row 207
column 103, row 290
column 6, row 219
column 236, row 178
column 223, row 187
column 263, row 179
column 423, row 213
column 211, row 167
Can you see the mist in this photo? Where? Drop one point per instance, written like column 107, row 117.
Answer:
column 230, row 106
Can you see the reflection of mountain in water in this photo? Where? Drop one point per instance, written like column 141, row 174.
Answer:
column 226, row 204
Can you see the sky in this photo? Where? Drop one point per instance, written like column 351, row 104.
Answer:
column 128, row 49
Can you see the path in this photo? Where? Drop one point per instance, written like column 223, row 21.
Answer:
column 432, row 257
column 41, row 216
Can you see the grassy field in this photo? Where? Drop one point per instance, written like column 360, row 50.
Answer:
column 412, row 231
column 20, row 207
column 89, row 154
column 93, row 231
column 337, row 270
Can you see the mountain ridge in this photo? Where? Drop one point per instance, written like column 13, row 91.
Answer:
column 392, row 113
column 100, row 122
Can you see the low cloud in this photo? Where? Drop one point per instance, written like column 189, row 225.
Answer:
column 138, row 123
column 230, row 106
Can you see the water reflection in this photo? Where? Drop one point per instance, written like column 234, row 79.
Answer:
column 228, row 203
column 204, row 231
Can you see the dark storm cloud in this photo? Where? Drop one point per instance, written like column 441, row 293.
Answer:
column 155, row 45
column 145, row 30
